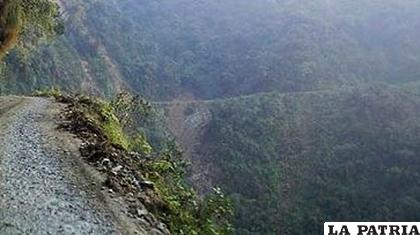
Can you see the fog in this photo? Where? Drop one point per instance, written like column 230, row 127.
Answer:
column 287, row 45
column 302, row 111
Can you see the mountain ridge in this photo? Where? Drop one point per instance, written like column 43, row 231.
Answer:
column 293, row 146
column 165, row 48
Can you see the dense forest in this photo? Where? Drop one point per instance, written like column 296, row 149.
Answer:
column 309, row 107
column 301, row 159
column 214, row 49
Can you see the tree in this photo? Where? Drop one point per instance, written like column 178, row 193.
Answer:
column 23, row 22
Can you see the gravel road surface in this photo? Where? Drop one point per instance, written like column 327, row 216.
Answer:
column 38, row 192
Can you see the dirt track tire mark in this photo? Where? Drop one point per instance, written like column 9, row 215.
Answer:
column 7, row 104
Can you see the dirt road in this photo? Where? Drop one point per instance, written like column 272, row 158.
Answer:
column 40, row 190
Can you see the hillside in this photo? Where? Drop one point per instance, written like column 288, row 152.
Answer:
column 302, row 111
column 214, row 49
column 292, row 161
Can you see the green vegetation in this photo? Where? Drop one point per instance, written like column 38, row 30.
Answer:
column 186, row 213
column 31, row 19
column 223, row 48
column 110, row 123
column 173, row 200
column 314, row 146
column 48, row 92
column 290, row 162
column 11, row 22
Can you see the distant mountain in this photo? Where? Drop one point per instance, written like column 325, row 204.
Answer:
column 210, row 49
column 302, row 110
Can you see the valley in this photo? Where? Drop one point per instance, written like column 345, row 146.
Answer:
column 296, row 112
column 312, row 148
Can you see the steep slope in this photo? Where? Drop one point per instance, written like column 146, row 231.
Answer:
column 276, row 154
column 292, row 161
column 223, row 48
